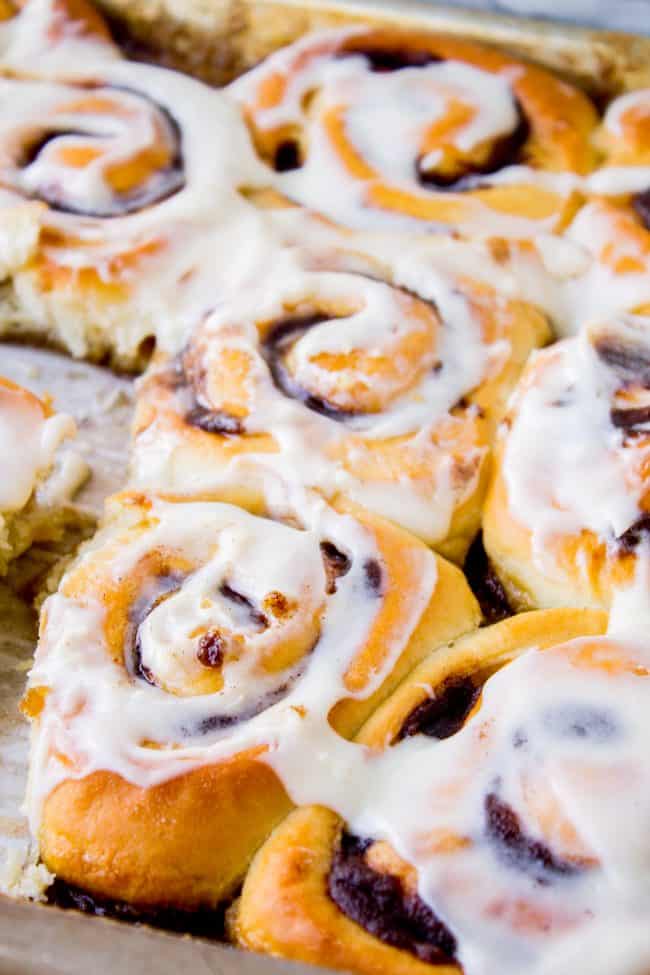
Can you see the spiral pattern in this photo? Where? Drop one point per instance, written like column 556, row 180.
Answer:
column 618, row 220
column 338, row 381
column 213, row 631
column 98, row 152
column 511, row 839
column 420, row 128
column 110, row 183
column 234, row 633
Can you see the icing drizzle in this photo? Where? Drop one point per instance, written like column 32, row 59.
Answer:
column 526, row 814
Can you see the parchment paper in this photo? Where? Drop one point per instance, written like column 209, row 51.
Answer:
column 102, row 405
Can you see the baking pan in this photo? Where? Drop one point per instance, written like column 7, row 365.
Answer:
column 215, row 40
column 219, row 39
column 37, row 940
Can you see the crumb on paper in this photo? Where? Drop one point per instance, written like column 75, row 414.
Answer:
column 22, row 876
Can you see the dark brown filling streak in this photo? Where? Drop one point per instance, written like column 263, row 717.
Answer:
column 632, row 537
column 515, row 849
column 337, row 564
column 288, row 153
column 222, row 722
column 379, row 904
column 275, row 348
column 628, row 360
column 374, row 578
column 631, row 363
column 485, row 584
column 214, row 421
column 157, row 591
column 444, row 714
column 507, row 150
column 201, row 923
column 641, row 206
column 634, row 422
column 288, row 331
column 210, row 652
column 172, row 178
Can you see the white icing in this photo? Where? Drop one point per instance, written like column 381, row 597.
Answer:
column 188, row 255
column 566, row 466
column 29, row 440
column 388, row 117
column 597, row 271
column 43, row 38
column 635, row 102
column 116, row 127
column 386, row 120
column 617, row 180
column 311, row 444
column 260, row 556
column 220, row 259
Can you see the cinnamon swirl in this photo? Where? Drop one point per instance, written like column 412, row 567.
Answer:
column 39, row 478
column 116, row 197
column 386, row 128
column 494, row 836
column 566, row 514
column 355, row 386
column 223, row 640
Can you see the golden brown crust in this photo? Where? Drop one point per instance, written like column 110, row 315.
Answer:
column 478, row 654
column 184, row 843
column 187, row 843
column 465, row 439
column 451, row 611
column 285, row 908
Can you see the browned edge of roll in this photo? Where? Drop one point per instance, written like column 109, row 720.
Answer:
column 217, row 40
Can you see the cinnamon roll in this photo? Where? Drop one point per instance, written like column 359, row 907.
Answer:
column 358, row 387
column 601, row 268
column 379, row 127
column 603, row 261
column 223, row 640
column 508, row 813
column 116, row 196
column 622, row 140
column 566, row 516
column 39, row 477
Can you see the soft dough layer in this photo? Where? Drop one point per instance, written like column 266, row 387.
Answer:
column 342, row 263
column 38, row 478
column 111, row 183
